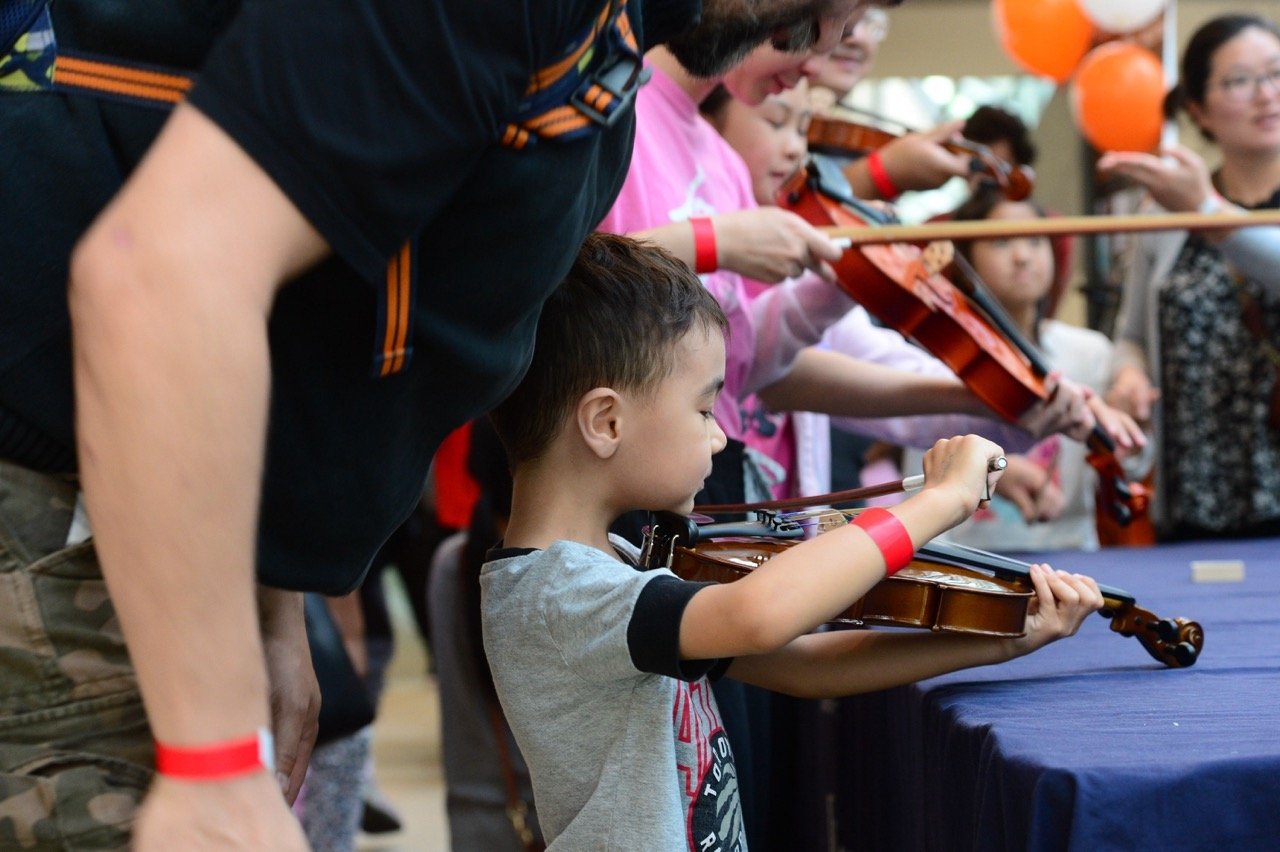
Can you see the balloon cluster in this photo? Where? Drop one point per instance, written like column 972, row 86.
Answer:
column 1117, row 87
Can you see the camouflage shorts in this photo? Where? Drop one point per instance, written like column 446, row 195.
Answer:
column 75, row 751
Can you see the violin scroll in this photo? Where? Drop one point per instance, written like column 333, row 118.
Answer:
column 1176, row 642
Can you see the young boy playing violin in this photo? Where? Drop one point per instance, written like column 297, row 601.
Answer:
column 602, row 668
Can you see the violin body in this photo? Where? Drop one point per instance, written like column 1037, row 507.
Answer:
column 924, row 594
column 899, row 285
column 946, row 588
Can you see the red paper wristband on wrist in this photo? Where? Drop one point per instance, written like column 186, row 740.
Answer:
column 217, row 761
column 885, row 187
column 704, row 245
column 889, row 535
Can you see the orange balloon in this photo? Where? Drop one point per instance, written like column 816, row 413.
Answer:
column 1045, row 37
column 1117, row 96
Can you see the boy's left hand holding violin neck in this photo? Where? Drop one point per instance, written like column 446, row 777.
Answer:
column 1062, row 602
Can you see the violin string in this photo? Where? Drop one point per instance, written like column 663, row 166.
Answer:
column 815, row 518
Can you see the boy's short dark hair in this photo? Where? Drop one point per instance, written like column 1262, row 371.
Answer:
column 613, row 322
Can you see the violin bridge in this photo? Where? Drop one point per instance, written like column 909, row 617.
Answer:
column 830, row 519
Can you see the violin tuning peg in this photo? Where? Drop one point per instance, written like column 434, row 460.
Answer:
column 1185, row 653
column 1123, row 491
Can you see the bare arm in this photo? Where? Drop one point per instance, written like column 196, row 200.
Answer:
column 951, row 413
column 828, row 665
column 843, row 386
column 916, row 407
column 809, row 583
column 913, row 161
column 169, row 301
column 764, row 243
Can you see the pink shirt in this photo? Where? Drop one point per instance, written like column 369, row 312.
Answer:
column 682, row 168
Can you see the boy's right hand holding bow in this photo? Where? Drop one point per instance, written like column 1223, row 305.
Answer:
column 958, row 468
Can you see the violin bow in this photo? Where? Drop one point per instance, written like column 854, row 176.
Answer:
column 1049, row 227
column 910, row 483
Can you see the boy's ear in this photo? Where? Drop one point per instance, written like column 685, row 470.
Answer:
column 599, row 418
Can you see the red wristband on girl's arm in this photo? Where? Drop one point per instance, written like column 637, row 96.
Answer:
column 704, row 245
column 889, row 535
column 885, row 187
column 217, row 761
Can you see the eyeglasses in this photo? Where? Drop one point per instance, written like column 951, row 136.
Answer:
column 803, row 35
column 1242, row 87
column 874, row 25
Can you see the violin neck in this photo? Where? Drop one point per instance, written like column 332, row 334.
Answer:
column 827, row 179
column 981, row 296
column 1004, row 567
column 978, row 293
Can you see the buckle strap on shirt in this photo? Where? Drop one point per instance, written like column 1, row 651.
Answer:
column 587, row 88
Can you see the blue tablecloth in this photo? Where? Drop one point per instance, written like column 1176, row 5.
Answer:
column 1088, row 744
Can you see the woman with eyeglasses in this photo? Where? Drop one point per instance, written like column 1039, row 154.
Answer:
column 1201, row 321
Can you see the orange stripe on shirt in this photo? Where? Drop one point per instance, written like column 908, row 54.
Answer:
column 402, row 314
column 122, row 73
column 393, row 310
column 85, row 81
column 624, row 30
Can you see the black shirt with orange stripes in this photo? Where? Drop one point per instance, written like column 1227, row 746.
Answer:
column 381, row 121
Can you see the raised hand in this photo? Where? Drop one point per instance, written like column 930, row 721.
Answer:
column 1179, row 180
column 1132, row 392
column 920, row 161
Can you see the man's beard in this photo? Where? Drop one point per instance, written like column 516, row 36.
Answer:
column 724, row 37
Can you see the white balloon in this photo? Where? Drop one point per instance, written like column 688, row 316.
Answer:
column 1121, row 16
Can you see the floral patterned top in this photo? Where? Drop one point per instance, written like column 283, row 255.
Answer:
column 1218, row 335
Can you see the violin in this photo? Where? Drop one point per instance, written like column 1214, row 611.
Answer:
column 904, row 288
column 946, row 588
column 843, row 137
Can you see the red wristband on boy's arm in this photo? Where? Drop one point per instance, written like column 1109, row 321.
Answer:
column 704, row 245
column 889, row 535
column 217, row 761
column 885, row 187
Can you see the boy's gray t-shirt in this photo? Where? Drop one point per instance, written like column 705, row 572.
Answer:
column 623, row 740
